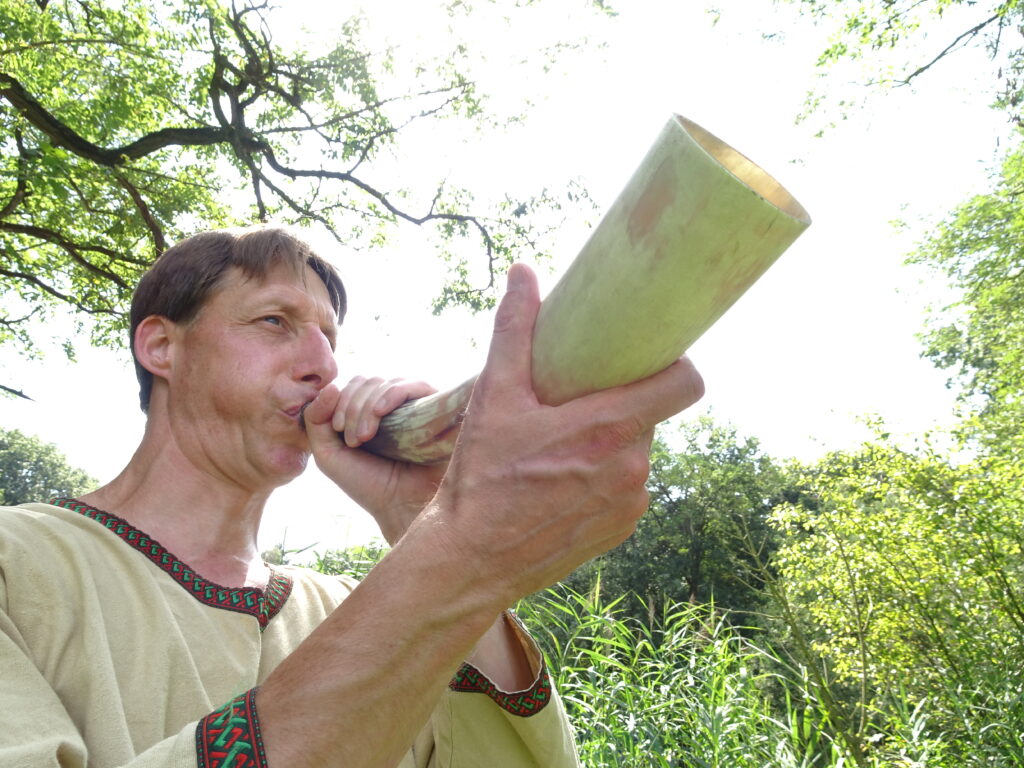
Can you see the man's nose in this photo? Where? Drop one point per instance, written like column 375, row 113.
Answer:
column 316, row 363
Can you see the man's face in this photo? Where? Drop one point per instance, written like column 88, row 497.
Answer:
column 258, row 350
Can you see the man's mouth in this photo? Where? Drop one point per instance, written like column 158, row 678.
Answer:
column 301, row 413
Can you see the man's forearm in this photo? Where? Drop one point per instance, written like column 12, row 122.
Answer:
column 364, row 683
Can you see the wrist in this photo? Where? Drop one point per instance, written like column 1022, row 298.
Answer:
column 460, row 562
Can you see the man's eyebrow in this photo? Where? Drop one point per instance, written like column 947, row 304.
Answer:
column 331, row 332
column 282, row 301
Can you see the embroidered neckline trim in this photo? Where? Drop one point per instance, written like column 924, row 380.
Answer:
column 262, row 604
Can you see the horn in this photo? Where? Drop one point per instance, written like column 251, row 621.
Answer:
column 695, row 226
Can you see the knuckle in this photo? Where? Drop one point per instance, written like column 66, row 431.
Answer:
column 636, row 471
column 697, row 387
column 620, row 434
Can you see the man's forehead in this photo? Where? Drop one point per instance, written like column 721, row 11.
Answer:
column 280, row 282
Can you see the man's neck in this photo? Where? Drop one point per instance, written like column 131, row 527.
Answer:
column 208, row 524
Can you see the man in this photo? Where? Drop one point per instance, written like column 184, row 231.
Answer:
column 139, row 626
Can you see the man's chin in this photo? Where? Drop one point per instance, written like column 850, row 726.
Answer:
column 288, row 467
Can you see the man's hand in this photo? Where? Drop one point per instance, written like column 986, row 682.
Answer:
column 531, row 492
column 393, row 492
column 534, row 491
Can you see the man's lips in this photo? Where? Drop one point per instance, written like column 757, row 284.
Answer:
column 299, row 412
column 295, row 412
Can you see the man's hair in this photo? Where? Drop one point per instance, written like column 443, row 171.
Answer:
column 186, row 275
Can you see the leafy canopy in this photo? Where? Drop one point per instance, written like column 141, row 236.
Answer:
column 31, row 470
column 705, row 532
column 898, row 41
column 128, row 124
column 980, row 338
column 905, row 577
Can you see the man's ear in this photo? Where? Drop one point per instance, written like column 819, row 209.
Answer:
column 154, row 344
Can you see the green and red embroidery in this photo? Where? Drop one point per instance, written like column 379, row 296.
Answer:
column 263, row 604
column 469, row 679
column 230, row 737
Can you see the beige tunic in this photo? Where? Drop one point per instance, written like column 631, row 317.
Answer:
column 115, row 653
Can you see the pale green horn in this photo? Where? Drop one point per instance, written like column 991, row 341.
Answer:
column 693, row 229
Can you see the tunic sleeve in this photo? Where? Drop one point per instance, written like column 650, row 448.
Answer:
column 478, row 724
column 36, row 730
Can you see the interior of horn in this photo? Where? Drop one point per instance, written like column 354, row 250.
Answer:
column 745, row 170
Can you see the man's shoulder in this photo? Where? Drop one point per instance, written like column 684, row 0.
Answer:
column 312, row 597
column 46, row 535
column 34, row 509
column 34, row 519
column 44, row 549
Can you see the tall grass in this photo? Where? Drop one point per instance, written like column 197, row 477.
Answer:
column 695, row 692
column 692, row 691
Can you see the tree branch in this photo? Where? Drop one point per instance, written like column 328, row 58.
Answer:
column 970, row 33
column 72, row 249
column 155, row 231
column 17, row 321
column 73, row 41
column 20, row 192
column 61, row 135
column 9, row 390
column 55, row 293
column 382, row 198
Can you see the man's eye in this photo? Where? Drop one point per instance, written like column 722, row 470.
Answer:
column 273, row 320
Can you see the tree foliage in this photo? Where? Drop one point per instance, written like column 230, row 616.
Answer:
column 980, row 338
column 127, row 124
column 354, row 562
column 31, row 470
column 908, row 580
column 882, row 33
column 706, row 528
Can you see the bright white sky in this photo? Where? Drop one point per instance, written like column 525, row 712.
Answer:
column 824, row 339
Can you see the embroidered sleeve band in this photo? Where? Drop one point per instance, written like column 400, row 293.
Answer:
column 229, row 737
column 524, row 704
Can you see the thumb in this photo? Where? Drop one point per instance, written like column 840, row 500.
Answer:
column 509, row 359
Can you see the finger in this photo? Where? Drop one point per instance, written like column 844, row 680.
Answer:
column 399, row 392
column 341, row 405
column 321, row 408
column 510, row 354
column 663, row 395
column 649, row 401
column 382, row 401
column 359, row 422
